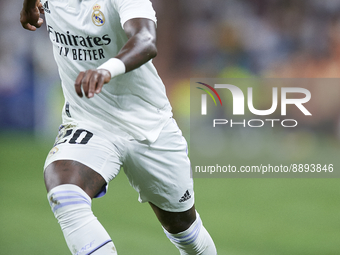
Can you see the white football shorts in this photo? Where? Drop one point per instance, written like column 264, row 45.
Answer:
column 160, row 172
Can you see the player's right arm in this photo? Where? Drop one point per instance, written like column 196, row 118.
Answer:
column 30, row 14
column 139, row 49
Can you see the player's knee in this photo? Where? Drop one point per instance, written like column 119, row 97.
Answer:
column 194, row 240
column 175, row 222
column 82, row 231
column 70, row 205
column 178, row 226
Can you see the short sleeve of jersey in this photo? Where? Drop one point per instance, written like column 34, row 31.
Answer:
column 130, row 9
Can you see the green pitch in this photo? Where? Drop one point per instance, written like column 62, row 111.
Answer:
column 244, row 216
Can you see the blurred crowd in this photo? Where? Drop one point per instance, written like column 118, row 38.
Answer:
column 257, row 38
column 27, row 72
column 196, row 38
column 264, row 37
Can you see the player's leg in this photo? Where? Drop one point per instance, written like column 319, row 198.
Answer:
column 186, row 231
column 175, row 222
column 160, row 172
column 71, row 186
column 77, row 169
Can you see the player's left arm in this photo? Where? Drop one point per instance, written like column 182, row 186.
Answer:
column 30, row 14
column 141, row 46
column 139, row 49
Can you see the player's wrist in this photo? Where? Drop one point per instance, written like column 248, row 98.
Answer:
column 115, row 66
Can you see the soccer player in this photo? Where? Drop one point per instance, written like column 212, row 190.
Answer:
column 116, row 114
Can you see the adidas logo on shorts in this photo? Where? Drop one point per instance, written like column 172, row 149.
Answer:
column 185, row 197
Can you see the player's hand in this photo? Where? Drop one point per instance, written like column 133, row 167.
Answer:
column 30, row 17
column 92, row 82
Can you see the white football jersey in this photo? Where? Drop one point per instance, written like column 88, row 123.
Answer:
column 85, row 34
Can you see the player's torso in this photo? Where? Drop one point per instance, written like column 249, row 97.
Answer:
column 83, row 33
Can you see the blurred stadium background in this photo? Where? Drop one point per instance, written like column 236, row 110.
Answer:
column 196, row 38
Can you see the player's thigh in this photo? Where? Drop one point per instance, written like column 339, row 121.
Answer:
column 82, row 156
column 72, row 172
column 160, row 172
